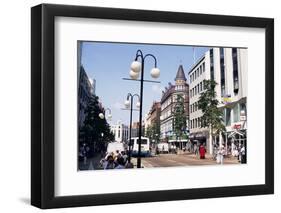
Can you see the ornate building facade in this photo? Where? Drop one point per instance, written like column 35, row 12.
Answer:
column 168, row 103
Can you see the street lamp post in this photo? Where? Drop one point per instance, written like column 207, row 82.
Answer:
column 102, row 115
column 136, row 67
column 127, row 105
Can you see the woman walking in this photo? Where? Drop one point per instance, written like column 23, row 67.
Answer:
column 202, row 151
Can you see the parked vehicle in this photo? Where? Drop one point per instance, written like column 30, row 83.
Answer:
column 114, row 146
column 163, row 147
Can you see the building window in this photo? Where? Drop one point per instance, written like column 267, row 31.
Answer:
column 236, row 113
column 200, row 68
column 235, row 71
column 203, row 66
column 193, row 124
column 222, row 71
column 227, row 116
column 203, row 84
column 243, row 108
column 212, row 64
column 201, row 88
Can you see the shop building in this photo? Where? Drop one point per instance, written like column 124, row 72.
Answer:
column 228, row 68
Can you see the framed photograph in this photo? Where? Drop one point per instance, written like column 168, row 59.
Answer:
column 136, row 106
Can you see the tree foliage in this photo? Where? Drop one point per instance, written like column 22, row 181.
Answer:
column 153, row 131
column 208, row 103
column 179, row 117
column 95, row 131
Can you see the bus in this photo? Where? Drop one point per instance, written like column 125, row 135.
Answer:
column 145, row 147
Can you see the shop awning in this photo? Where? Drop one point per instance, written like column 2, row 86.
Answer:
column 236, row 132
column 177, row 141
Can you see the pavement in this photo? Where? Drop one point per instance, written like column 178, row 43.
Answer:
column 92, row 163
column 162, row 160
column 186, row 159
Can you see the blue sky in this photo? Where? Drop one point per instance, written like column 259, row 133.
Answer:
column 108, row 63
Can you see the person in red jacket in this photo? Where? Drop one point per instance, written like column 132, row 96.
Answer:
column 202, row 151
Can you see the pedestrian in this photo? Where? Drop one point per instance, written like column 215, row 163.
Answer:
column 215, row 152
column 109, row 163
column 239, row 153
column 243, row 155
column 124, row 155
column 120, row 163
column 157, row 150
column 195, row 148
column 220, row 155
column 202, row 151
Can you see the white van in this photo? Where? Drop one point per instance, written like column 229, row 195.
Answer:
column 114, row 146
column 163, row 147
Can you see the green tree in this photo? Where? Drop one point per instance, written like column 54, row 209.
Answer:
column 149, row 132
column 156, row 131
column 179, row 121
column 212, row 115
column 95, row 131
column 153, row 131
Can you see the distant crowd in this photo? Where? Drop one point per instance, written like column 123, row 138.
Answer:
column 116, row 160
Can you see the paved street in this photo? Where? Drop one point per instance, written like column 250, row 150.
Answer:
column 188, row 159
column 162, row 160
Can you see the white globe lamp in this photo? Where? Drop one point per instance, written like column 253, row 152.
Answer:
column 136, row 66
column 155, row 72
column 127, row 103
column 134, row 75
column 101, row 115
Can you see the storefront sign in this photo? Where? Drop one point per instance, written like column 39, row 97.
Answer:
column 226, row 99
column 237, row 126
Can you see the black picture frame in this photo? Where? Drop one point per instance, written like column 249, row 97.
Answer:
column 43, row 117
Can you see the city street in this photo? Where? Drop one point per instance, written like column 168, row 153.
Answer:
column 162, row 160
column 188, row 159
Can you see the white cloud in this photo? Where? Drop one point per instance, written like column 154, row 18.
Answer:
column 157, row 88
column 118, row 105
